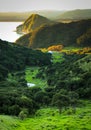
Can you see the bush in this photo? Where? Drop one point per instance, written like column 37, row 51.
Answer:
column 23, row 114
column 55, row 48
column 60, row 100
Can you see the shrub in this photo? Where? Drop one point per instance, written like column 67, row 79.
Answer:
column 23, row 114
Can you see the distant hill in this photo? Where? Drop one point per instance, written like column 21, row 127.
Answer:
column 22, row 16
column 50, row 14
column 60, row 33
column 14, row 16
column 76, row 14
column 32, row 23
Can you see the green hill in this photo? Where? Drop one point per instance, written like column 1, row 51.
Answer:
column 13, row 62
column 32, row 23
column 76, row 14
column 15, row 58
column 67, row 34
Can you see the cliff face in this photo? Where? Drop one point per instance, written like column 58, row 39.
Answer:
column 32, row 23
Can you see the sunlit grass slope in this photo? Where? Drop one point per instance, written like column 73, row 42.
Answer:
column 51, row 119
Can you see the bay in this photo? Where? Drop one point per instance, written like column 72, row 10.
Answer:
column 7, row 31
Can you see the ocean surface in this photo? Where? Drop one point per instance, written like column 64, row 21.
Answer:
column 7, row 31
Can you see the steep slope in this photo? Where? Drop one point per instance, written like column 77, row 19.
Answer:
column 85, row 38
column 59, row 33
column 76, row 14
column 15, row 58
column 32, row 23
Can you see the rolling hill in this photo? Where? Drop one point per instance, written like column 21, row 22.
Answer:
column 58, row 33
column 76, row 14
column 12, row 56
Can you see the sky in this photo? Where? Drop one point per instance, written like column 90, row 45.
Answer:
column 29, row 5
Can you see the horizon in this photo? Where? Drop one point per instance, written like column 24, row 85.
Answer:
column 42, row 10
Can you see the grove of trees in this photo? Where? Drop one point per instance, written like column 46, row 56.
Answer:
column 68, row 81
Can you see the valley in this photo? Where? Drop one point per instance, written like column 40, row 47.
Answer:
column 45, row 75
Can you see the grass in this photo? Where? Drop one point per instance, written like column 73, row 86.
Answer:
column 8, row 122
column 51, row 119
column 31, row 77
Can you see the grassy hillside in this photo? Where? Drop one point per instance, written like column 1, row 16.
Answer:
column 8, row 123
column 32, row 23
column 76, row 14
column 50, row 118
column 66, row 34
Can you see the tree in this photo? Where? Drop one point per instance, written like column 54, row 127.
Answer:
column 14, row 110
column 23, row 114
column 41, row 97
column 26, row 102
column 60, row 100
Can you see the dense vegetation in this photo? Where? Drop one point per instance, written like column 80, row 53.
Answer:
column 60, row 97
column 85, row 38
column 67, row 81
column 68, row 34
column 13, row 60
column 67, row 89
column 51, row 119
